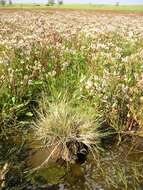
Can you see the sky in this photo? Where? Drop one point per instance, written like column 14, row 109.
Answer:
column 86, row 1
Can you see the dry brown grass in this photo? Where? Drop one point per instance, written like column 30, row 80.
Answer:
column 65, row 132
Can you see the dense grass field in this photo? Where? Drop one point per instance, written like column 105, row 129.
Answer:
column 121, row 8
column 126, row 8
column 71, row 100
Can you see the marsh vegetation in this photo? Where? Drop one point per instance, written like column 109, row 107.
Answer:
column 71, row 100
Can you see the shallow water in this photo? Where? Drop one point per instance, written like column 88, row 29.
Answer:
column 118, row 168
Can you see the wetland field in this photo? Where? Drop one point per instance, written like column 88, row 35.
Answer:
column 71, row 99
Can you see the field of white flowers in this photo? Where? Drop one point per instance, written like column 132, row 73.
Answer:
column 91, row 61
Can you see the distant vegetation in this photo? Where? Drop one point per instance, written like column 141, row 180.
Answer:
column 52, row 4
column 4, row 2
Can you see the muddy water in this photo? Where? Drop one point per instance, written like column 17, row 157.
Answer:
column 121, row 167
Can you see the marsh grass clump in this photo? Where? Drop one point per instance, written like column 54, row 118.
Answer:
column 66, row 132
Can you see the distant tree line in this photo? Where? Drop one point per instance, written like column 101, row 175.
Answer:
column 60, row 2
column 52, row 2
column 4, row 2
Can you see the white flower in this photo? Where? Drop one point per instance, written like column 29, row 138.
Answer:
column 29, row 82
column 89, row 84
column 65, row 65
column 52, row 73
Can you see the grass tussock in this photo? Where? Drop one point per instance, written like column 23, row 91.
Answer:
column 66, row 132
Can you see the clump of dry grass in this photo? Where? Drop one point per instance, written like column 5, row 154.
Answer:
column 65, row 132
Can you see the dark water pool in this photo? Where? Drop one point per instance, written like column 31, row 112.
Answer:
column 121, row 167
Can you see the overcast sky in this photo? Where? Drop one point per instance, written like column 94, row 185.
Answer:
column 86, row 1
